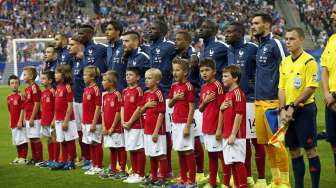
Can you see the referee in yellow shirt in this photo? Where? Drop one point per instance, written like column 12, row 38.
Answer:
column 297, row 84
column 328, row 63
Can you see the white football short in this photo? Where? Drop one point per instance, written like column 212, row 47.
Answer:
column 19, row 136
column 115, row 140
column 34, row 132
column 70, row 134
column 134, row 139
column 181, row 143
column 235, row 152
column 90, row 137
column 211, row 144
column 78, row 112
column 154, row 149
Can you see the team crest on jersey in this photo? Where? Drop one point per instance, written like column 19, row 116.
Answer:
column 15, row 102
column 117, row 52
column 90, row 52
column 211, row 52
column 112, row 103
column 134, row 63
column 88, row 97
column 132, row 99
column 265, row 49
column 63, row 57
column 241, row 53
column 157, row 50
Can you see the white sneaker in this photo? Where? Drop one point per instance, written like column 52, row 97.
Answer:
column 22, row 161
column 91, row 171
column 129, row 178
column 99, row 170
column 136, row 179
column 15, row 161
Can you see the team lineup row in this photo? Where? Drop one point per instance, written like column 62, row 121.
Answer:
column 268, row 78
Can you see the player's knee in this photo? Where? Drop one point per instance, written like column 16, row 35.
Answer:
column 311, row 152
column 295, row 152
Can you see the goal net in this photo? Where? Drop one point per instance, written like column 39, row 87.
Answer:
column 24, row 52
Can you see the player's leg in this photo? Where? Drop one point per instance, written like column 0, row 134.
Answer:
column 330, row 118
column 113, row 159
column 307, row 135
column 226, row 171
column 299, row 167
column 259, row 158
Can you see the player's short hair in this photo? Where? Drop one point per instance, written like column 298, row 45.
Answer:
column 112, row 76
column 135, row 34
column 214, row 26
column 31, row 70
column 76, row 38
column 88, row 27
column 49, row 74
column 65, row 70
column 184, row 63
column 185, row 34
column 234, row 70
column 13, row 77
column 208, row 62
column 50, row 45
column 93, row 71
column 62, row 35
column 156, row 73
column 238, row 26
column 265, row 17
column 298, row 30
column 162, row 25
column 116, row 25
column 135, row 70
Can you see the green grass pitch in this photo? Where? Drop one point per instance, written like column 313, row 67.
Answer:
column 27, row 176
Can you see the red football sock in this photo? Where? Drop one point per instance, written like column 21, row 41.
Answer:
column 213, row 167
column 248, row 158
column 56, row 149
column 259, row 158
column 39, row 150
column 19, row 151
column 93, row 155
column 190, row 160
column 113, row 159
column 199, row 155
column 240, row 172
column 122, row 158
column 50, row 151
column 154, row 166
column 141, row 162
column 24, row 150
column 163, row 163
column 100, row 155
column 183, row 167
column 86, row 151
column 133, row 157
column 71, row 146
column 169, row 150
column 226, row 170
column 64, row 151
column 33, row 152
column 81, row 144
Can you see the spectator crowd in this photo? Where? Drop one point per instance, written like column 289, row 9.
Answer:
column 315, row 15
column 41, row 19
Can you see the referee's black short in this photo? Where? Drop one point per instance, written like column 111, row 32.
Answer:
column 330, row 118
column 302, row 132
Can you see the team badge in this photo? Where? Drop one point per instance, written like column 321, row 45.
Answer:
column 90, row 52
column 157, row 51
column 134, row 63
column 63, row 57
column 88, row 97
column 132, row 99
column 15, row 102
column 112, row 103
column 241, row 53
column 211, row 52
column 297, row 82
